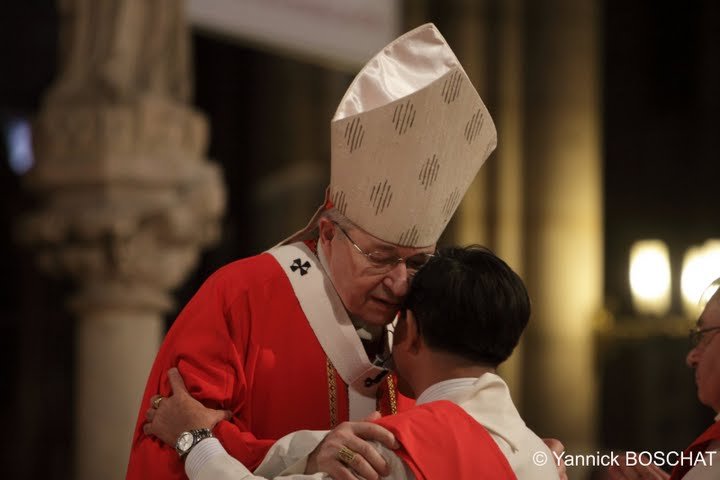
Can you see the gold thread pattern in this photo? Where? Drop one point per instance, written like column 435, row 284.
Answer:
column 391, row 394
column 332, row 393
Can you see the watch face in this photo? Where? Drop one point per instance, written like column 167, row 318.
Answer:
column 185, row 441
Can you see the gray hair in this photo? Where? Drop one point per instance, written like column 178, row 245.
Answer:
column 334, row 215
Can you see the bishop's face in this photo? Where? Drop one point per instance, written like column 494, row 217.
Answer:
column 705, row 356
column 370, row 276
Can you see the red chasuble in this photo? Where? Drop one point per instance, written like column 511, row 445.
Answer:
column 243, row 344
column 439, row 440
column 699, row 445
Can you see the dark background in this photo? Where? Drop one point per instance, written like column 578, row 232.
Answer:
column 661, row 103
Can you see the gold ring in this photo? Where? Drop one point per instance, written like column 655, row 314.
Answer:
column 345, row 455
column 156, row 402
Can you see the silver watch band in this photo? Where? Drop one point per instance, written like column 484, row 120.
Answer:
column 184, row 443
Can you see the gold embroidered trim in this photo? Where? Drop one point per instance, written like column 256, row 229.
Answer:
column 332, row 393
column 391, row 394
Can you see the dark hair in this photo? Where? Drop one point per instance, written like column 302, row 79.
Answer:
column 469, row 302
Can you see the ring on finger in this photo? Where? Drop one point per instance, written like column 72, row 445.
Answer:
column 345, row 455
column 156, row 402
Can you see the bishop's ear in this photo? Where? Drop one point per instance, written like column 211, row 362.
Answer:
column 326, row 230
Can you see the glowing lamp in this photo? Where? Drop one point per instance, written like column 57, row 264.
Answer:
column 650, row 277
column 701, row 265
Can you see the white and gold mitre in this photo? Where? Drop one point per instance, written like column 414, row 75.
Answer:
column 408, row 138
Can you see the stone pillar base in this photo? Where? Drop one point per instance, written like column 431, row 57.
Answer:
column 114, row 351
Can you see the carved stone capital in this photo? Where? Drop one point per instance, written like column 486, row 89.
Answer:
column 129, row 198
column 152, row 140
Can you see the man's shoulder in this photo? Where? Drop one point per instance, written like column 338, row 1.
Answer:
column 243, row 266
column 248, row 271
column 430, row 417
column 251, row 271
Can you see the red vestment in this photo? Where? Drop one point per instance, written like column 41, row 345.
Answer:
column 700, row 444
column 439, row 440
column 243, row 344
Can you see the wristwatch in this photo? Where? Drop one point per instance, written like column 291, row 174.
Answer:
column 187, row 440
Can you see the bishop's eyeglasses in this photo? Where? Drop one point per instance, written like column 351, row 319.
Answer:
column 383, row 261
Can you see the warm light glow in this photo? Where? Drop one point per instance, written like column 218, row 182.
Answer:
column 701, row 266
column 650, row 277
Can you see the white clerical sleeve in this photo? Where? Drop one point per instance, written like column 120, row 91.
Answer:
column 709, row 469
column 289, row 454
column 210, row 461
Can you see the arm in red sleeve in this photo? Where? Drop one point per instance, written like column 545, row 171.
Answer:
column 211, row 354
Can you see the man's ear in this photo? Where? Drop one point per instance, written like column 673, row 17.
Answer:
column 412, row 333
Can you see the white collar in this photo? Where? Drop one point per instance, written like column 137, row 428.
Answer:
column 487, row 399
column 445, row 389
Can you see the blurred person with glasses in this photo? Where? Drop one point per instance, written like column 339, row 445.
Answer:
column 704, row 358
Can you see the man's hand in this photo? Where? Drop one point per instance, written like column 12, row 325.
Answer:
column 636, row 472
column 557, row 448
column 367, row 462
column 179, row 412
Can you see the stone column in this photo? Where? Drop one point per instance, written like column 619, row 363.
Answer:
column 487, row 37
column 465, row 23
column 563, row 217
column 509, row 232
column 128, row 200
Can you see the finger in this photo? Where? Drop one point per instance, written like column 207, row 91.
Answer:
column 359, row 467
column 613, row 474
column 372, row 431
column 554, row 445
column 154, row 399
column 176, row 381
column 150, row 414
column 616, row 473
column 217, row 416
column 646, row 472
column 367, row 462
column 147, row 429
column 372, row 417
column 629, row 473
column 657, row 473
column 562, row 471
column 340, row 472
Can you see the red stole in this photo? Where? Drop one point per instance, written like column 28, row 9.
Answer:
column 697, row 446
column 440, row 440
